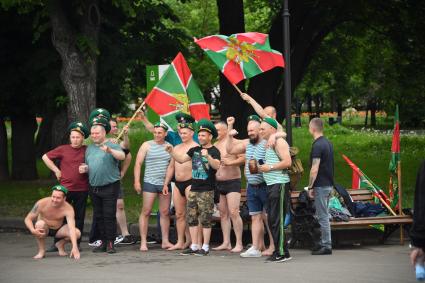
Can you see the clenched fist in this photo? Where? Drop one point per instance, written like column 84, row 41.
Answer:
column 230, row 120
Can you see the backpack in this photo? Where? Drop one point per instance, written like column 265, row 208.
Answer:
column 296, row 170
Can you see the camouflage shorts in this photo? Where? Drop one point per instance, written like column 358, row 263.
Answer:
column 200, row 206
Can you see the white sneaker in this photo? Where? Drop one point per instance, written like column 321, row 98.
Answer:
column 251, row 252
column 96, row 243
column 118, row 239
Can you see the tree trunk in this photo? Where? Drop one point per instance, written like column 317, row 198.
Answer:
column 366, row 116
column 4, row 156
column 317, row 102
column 298, row 109
column 231, row 19
column 339, row 112
column 79, row 69
column 373, row 109
column 23, row 148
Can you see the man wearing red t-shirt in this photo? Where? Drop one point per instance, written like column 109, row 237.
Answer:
column 70, row 158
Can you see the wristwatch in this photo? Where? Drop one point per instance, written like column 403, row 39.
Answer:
column 271, row 167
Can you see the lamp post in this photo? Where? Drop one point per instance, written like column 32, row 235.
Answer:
column 287, row 71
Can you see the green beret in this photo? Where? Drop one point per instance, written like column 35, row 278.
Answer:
column 184, row 118
column 208, row 126
column 161, row 125
column 254, row 118
column 60, row 188
column 272, row 122
column 79, row 127
column 100, row 112
column 186, row 126
column 101, row 122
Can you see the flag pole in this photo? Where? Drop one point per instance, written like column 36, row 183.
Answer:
column 400, row 201
column 238, row 89
column 132, row 118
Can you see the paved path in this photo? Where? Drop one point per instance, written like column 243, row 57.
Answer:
column 385, row 263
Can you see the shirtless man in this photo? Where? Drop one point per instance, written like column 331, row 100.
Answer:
column 50, row 213
column 183, row 180
column 228, row 178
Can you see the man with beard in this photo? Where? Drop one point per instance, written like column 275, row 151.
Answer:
column 255, row 149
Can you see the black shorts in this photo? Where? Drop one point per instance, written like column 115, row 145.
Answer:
column 53, row 232
column 229, row 186
column 182, row 185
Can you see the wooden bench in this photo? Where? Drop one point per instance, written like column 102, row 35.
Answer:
column 391, row 223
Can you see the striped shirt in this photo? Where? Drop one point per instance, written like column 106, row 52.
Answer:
column 257, row 152
column 274, row 176
column 156, row 163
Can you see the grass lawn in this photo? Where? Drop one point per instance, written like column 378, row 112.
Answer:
column 368, row 149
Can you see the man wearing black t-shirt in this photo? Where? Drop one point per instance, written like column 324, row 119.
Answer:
column 200, row 200
column 321, row 183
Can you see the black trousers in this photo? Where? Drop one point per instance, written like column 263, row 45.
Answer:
column 78, row 200
column 278, row 202
column 104, row 199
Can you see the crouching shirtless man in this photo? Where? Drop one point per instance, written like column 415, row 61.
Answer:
column 50, row 213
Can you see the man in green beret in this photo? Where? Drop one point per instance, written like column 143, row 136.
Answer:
column 275, row 173
column 172, row 137
column 156, row 160
column 100, row 113
column 200, row 199
column 102, row 158
column 182, row 176
column 71, row 157
column 49, row 214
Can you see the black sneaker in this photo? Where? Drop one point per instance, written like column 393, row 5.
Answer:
column 127, row 240
column 202, row 252
column 151, row 240
column 52, row 249
column 188, row 251
column 322, row 251
column 110, row 249
column 100, row 249
column 278, row 258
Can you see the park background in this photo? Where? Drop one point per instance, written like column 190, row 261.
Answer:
column 352, row 61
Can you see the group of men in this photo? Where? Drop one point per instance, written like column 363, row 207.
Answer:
column 187, row 167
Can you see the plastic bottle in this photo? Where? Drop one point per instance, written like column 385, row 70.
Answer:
column 420, row 269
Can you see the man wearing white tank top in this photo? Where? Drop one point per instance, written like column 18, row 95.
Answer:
column 156, row 163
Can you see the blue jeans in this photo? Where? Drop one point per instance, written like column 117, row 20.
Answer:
column 321, row 201
column 256, row 198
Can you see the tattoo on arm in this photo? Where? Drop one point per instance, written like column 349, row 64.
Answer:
column 314, row 170
column 35, row 208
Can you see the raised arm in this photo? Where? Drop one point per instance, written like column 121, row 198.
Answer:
column 126, row 141
column 52, row 166
column 141, row 154
column 257, row 107
column 234, row 146
column 213, row 162
column 148, row 125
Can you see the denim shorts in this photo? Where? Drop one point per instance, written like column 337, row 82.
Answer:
column 256, row 198
column 151, row 188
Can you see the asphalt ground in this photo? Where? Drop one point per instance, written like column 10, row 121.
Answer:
column 377, row 263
